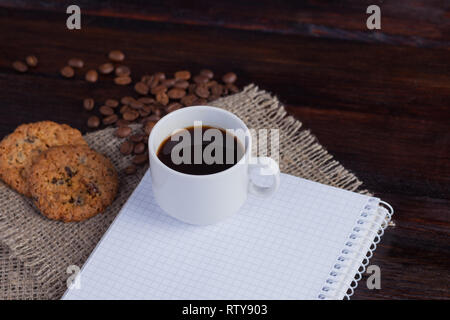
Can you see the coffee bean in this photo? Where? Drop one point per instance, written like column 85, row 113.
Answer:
column 19, row 66
column 122, row 71
column 217, row 90
column 138, row 137
column 162, row 98
column 32, row 61
column 173, row 106
column 140, row 159
column 130, row 115
column 112, row 103
column 110, row 119
column 202, row 91
column 181, row 84
column 153, row 83
column 159, row 76
column 93, row 122
column 122, row 81
column 106, row 111
column 106, row 68
column 158, row 89
column 76, row 63
column 145, row 111
column 116, row 55
column 126, row 148
column 122, row 123
column 67, row 72
column 213, row 97
column 124, row 109
column 141, row 88
column 189, row 100
column 91, row 76
column 199, row 79
column 131, row 169
column 229, row 77
column 146, row 78
column 126, row 100
column 88, row 104
column 136, row 105
column 123, row 132
column 182, row 75
column 191, row 88
column 148, row 127
column 176, row 93
column 139, row 148
column 207, row 73
column 201, row 101
column 211, row 83
column 146, row 100
column 154, row 117
column 232, row 88
column 169, row 82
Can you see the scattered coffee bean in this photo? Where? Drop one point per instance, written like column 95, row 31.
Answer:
column 131, row 169
column 140, row 159
column 116, row 55
column 130, row 115
column 217, row 90
column 169, row 82
column 176, row 93
column 106, row 111
column 122, row 123
column 93, row 122
column 158, row 89
column 126, row 148
column 188, row 100
column 112, row 103
column 135, row 104
column 106, row 68
column 162, row 98
column 141, row 88
column 122, row 81
column 229, row 77
column 139, row 148
column 126, row 100
column 146, row 100
column 122, row 71
column 123, row 132
column 76, row 63
column 159, row 76
column 67, row 72
column 207, row 73
column 110, row 119
column 88, row 104
column 145, row 111
column 199, row 79
column 19, row 66
column 124, row 109
column 182, row 75
column 138, row 137
column 181, row 84
column 148, row 127
column 91, row 76
column 173, row 106
column 202, row 91
column 31, row 60
column 232, row 88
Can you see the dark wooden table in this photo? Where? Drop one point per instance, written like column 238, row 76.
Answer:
column 378, row 101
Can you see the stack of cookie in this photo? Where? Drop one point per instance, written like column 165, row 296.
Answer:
column 52, row 164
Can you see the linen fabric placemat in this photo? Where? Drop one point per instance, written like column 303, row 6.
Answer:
column 35, row 252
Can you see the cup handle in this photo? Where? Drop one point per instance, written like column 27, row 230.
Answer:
column 267, row 167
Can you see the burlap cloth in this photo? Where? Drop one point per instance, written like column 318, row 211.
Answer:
column 35, row 252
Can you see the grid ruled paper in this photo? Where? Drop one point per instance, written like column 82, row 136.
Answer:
column 282, row 247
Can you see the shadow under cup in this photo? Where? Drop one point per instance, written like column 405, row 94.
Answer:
column 199, row 199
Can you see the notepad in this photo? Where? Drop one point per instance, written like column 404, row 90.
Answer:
column 307, row 241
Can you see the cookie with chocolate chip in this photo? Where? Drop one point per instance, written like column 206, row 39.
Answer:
column 19, row 150
column 72, row 183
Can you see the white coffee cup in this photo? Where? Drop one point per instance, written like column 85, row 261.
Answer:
column 206, row 199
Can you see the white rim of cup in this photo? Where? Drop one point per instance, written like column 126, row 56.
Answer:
column 152, row 151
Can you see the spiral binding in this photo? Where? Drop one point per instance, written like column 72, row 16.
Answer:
column 375, row 232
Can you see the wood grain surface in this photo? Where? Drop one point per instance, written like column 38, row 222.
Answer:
column 378, row 101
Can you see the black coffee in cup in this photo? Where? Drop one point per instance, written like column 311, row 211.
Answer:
column 200, row 150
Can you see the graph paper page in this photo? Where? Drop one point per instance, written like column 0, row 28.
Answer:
column 282, row 247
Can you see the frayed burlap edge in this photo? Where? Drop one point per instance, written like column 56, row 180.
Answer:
column 35, row 252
